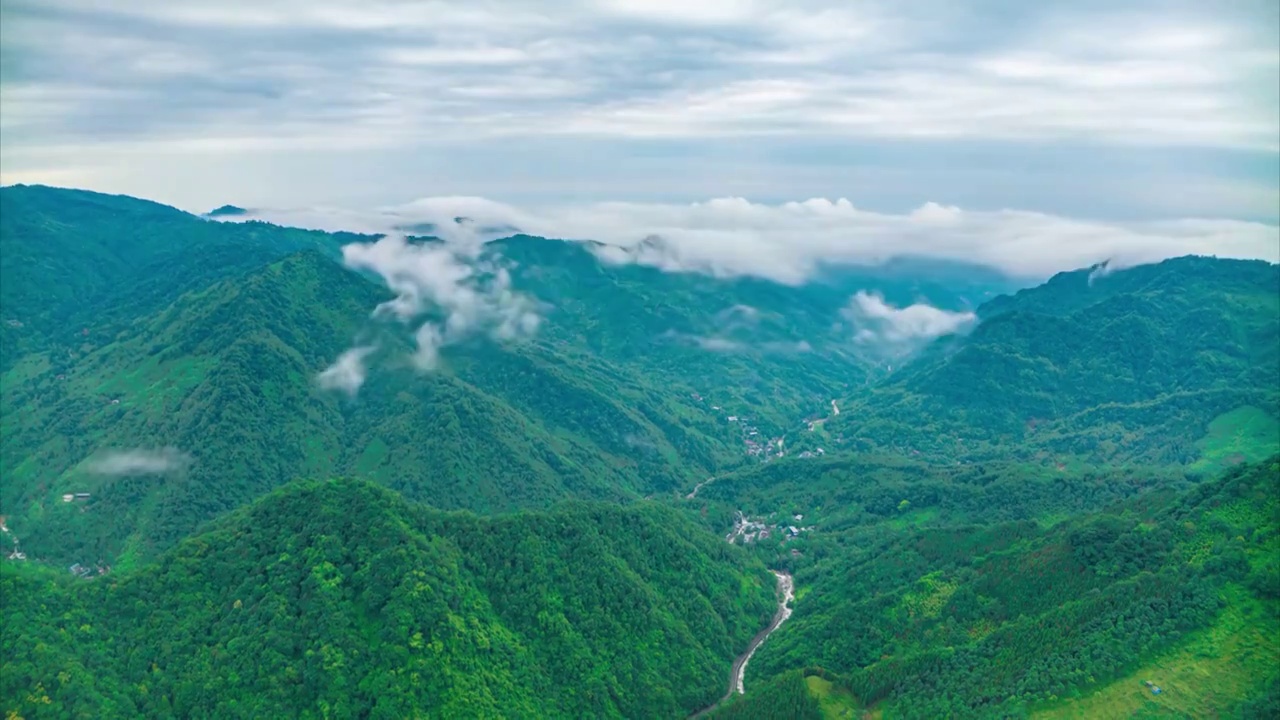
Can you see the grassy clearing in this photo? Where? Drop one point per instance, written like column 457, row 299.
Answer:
column 1203, row 677
column 834, row 703
column 1246, row 434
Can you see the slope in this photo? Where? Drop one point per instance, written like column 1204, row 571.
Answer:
column 992, row 619
column 78, row 266
column 226, row 377
column 1132, row 365
column 339, row 599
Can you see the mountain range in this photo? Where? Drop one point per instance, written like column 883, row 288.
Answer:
column 494, row 479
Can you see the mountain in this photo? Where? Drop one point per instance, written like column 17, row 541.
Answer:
column 1134, row 364
column 80, row 264
column 227, row 375
column 340, row 599
column 207, row 337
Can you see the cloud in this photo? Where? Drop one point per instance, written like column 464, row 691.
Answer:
column 464, row 292
column 897, row 331
column 138, row 462
column 347, row 373
column 1132, row 109
column 789, row 242
column 392, row 72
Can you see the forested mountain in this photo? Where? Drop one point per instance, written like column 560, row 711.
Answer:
column 206, row 337
column 339, row 599
column 1128, row 365
column 1026, row 510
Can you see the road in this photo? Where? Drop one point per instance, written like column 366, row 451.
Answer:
column 698, row 487
column 786, row 593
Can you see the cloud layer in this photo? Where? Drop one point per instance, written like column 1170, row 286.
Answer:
column 138, row 462
column 324, row 74
column 201, row 102
column 785, row 242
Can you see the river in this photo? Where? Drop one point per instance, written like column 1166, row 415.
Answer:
column 786, row 593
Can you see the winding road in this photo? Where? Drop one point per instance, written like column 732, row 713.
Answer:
column 786, row 593
column 698, row 487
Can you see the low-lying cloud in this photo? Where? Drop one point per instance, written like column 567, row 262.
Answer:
column 138, row 462
column 892, row 330
column 348, row 372
column 789, row 242
column 448, row 290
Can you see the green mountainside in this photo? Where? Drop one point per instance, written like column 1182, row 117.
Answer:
column 923, row 618
column 340, row 599
column 1029, row 517
column 1130, row 366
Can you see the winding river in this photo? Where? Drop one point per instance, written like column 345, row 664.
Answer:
column 786, row 593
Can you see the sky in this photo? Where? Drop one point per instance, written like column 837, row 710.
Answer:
column 1120, row 111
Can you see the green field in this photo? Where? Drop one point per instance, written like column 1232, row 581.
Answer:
column 1246, row 434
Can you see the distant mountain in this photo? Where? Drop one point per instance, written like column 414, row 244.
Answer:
column 340, row 599
column 79, row 261
column 1131, row 364
column 227, row 211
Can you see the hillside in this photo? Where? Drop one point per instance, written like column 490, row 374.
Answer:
column 79, row 266
column 981, row 617
column 227, row 377
column 1133, row 365
column 339, row 599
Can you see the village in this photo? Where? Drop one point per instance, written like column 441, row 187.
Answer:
column 756, row 445
column 77, row 570
column 750, row 530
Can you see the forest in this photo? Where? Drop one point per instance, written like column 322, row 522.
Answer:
column 336, row 599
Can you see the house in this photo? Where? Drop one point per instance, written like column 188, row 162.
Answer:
column 82, row 496
column 1155, row 690
column 733, row 418
column 68, row 497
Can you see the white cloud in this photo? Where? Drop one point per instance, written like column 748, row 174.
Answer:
column 392, row 72
column 897, row 331
column 784, row 242
column 138, row 462
column 467, row 293
column 348, row 372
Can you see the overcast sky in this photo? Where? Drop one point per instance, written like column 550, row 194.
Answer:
column 1122, row 110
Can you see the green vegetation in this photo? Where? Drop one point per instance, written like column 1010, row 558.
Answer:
column 1007, row 618
column 339, row 599
column 1246, row 434
column 1129, row 367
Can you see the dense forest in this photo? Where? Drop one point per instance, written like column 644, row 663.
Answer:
column 340, row 599
column 1008, row 618
column 1129, row 366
